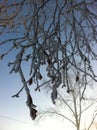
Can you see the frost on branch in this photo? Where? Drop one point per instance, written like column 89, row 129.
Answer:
column 29, row 102
column 55, row 40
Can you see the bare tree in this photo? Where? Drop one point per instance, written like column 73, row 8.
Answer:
column 73, row 107
column 59, row 36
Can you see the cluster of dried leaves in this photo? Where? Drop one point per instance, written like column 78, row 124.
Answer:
column 58, row 34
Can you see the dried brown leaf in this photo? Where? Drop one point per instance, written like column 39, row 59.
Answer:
column 30, row 81
column 39, row 76
column 49, row 61
column 33, row 113
column 77, row 78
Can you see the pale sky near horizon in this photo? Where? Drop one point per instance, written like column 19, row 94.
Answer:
column 14, row 113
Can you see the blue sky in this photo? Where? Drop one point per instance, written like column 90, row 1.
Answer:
column 14, row 108
column 14, row 114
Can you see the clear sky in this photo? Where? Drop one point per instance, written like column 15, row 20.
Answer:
column 14, row 114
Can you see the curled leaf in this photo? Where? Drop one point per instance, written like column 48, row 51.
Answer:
column 68, row 90
column 30, row 81
column 49, row 61
column 31, row 106
column 33, row 113
column 54, row 95
column 77, row 78
column 39, row 76
column 27, row 57
column 53, row 78
column 85, row 59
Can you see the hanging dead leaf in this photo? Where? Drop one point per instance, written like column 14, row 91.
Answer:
column 30, row 81
column 54, row 95
column 39, row 76
column 33, row 113
column 53, row 79
column 68, row 90
column 85, row 59
column 77, row 78
column 49, row 61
